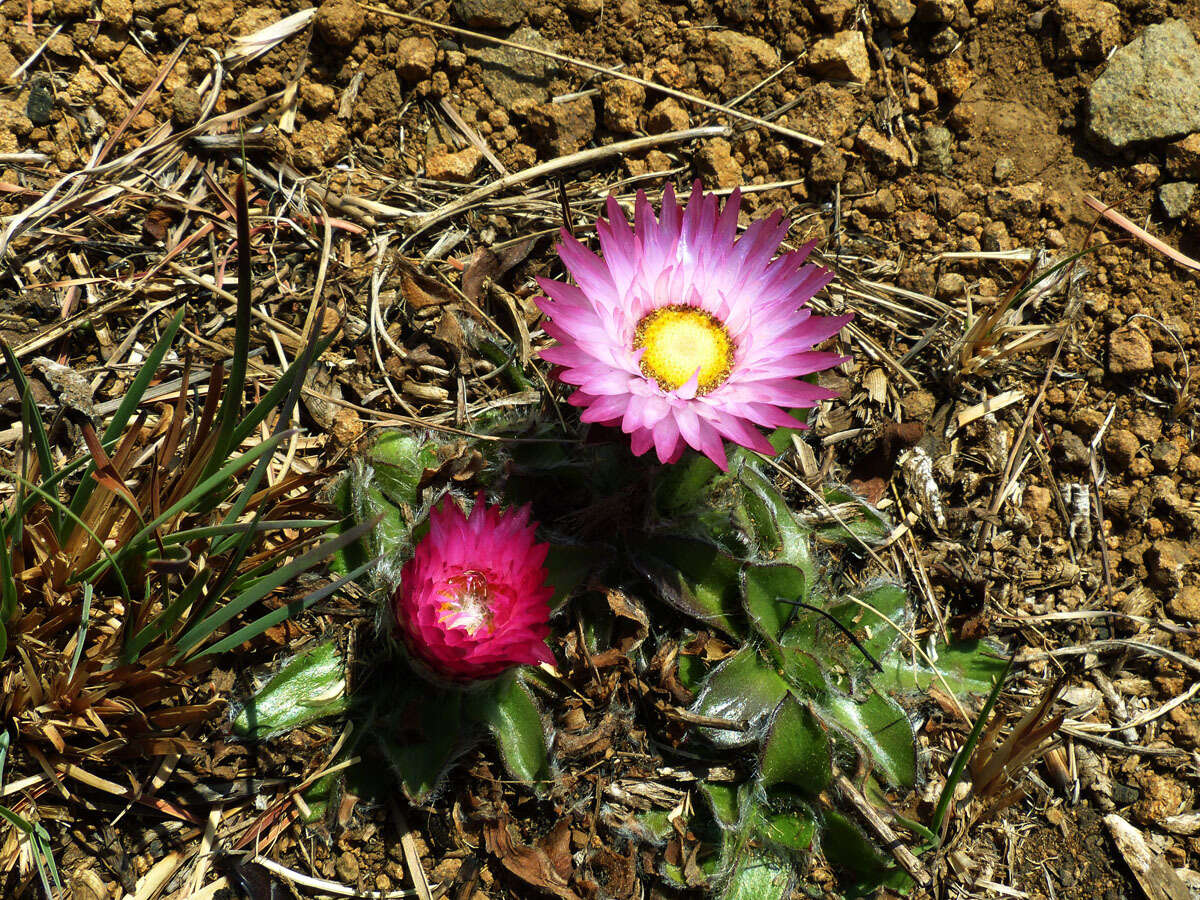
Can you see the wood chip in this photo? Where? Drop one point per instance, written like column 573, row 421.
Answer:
column 990, row 405
column 1156, row 877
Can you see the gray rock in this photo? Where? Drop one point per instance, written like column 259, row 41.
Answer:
column 490, row 13
column 1150, row 90
column 933, row 148
column 511, row 76
column 1176, row 197
column 40, row 104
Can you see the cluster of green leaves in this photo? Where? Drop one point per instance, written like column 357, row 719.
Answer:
column 815, row 681
column 415, row 728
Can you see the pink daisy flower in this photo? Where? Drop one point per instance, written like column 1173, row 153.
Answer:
column 683, row 333
column 473, row 600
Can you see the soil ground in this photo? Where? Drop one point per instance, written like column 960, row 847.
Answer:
column 360, row 127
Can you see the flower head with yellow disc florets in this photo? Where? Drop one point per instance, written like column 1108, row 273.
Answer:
column 682, row 333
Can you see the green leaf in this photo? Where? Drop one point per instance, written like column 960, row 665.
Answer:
column 657, row 825
column 758, row 876
column 758, row 524
column 340, row 497
column 685, row 486
column 804, row 672
column 786, row 823
column 31, row 420
column 8, row 587
column 392, row 537
column 85, row 615
column 129, row 403
column 423, row 745
column 216, row 480
column 310, row 686
column 400, row 461
column 568, row 565
column 787, row 539
column 512, row 716
column 691, row 671
column 967, row 750
column 288, row 611
column 861, row 523
column 265, row 585
column 882, row 729
column 766, row 590
column 870, row 626
column 969, row 667
column 695, row 578
column 742, row 689
column 295, row 373
column 229, row 414
column 867, row 870
column 795, row 751
column 168, row 618
column 723, row 801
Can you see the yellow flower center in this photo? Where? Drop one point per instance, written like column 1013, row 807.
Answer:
column 466, row 605
column 679, row 340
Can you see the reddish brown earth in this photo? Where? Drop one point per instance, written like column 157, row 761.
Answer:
column 992, row 96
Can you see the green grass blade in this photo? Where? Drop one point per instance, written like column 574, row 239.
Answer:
column 31, row 419
column 265, row 585
column 278, row 391
column 8, row 586
column 39, row 839
column 203, row 489
column 968, row 748
column 84, row 615
column 258, row 626
column 197, row 534
column 133, row 396
column 299, row 373
column 161, row 623
column 49, row 484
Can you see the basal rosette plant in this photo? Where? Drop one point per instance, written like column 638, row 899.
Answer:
column 467, row 599
column 819, row 683
column 820, row 680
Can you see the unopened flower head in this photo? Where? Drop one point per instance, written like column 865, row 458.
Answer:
column 473, row 600
column 683, row 333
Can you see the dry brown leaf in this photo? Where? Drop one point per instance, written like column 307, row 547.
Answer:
column 531, row 864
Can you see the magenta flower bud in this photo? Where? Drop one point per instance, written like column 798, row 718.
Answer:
column 473, row 600
column 683, row 333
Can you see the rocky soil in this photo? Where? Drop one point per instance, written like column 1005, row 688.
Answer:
column 930, row 147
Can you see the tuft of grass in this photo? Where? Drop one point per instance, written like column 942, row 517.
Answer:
column 122, row 569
